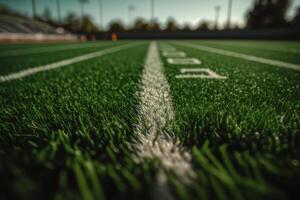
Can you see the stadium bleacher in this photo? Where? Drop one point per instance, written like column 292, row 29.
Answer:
column 21, row 29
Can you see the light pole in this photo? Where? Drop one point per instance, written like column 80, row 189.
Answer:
column 58, row 11
column 82, row 2
column 217, row 9
column 152, row 11
column 100, row 15
column 130, row 10
column 229, row 13
column 33, row 5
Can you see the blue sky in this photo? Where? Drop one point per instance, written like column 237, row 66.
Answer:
column 184, row 11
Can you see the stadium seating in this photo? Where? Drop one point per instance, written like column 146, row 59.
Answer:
column 19, row 25
column 16, row 28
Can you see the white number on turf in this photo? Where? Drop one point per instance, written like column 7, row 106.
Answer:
column 175, row 54
column 184, row 61
column 202, row 73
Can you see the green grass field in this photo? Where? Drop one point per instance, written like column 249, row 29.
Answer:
column 69, row 132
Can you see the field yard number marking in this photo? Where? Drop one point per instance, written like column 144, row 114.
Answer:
column 184, row 61
column 174, row 54
column 203, row 73
column 175, row 57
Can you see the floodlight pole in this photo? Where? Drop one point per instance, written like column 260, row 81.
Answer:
column 229, row 13
column 129, row 16
column 33, row 9
column 217, row 9
column 81, row 13
column 58, row 11
column 100, row 15
column 81, row 10
column 152, row 11
column 130, row 10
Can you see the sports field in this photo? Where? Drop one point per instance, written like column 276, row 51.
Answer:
column 174, row 119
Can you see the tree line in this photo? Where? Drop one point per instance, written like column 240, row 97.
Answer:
column 263, row 14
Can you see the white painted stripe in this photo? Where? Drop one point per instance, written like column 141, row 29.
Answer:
column 292, row 50
column 175, row 54
column 38, row 50
column 184, row 61
column 202, row 73
column 269, row 47
column 34, row 70
column 155, row 114
column 242, row 56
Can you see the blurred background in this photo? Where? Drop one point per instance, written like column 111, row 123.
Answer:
column 69, row 20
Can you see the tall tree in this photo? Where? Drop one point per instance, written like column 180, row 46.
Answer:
column 140, row 25
column 171, row 25
column 296, row 20
column 154, row 25
column 88, row 25
column 268, row 13
column 204, row 25
column 116, row 26
column 186, row 28
column 72, row 22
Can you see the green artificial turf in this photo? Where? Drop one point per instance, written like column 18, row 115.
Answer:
column 260, row 44
column 68, row 133
column 10, row 64
column 27, row 46
column 244, row 131
column 65, row 134
column 282, row 51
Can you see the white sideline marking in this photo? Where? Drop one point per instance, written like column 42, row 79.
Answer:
column 174, row 54
column 34, row 70
column 274, row 48
column 38, row 50
column 184, row 61
column 190, row 73
column 292, row 50
column 155, row 113
column 243, row 56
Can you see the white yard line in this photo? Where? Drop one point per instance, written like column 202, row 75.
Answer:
column 62, row 63
column 242, row 56
column 155, row 114
column 38, row 50
column 273, row 48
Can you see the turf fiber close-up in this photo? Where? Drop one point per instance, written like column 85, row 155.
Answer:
column 72, row 131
